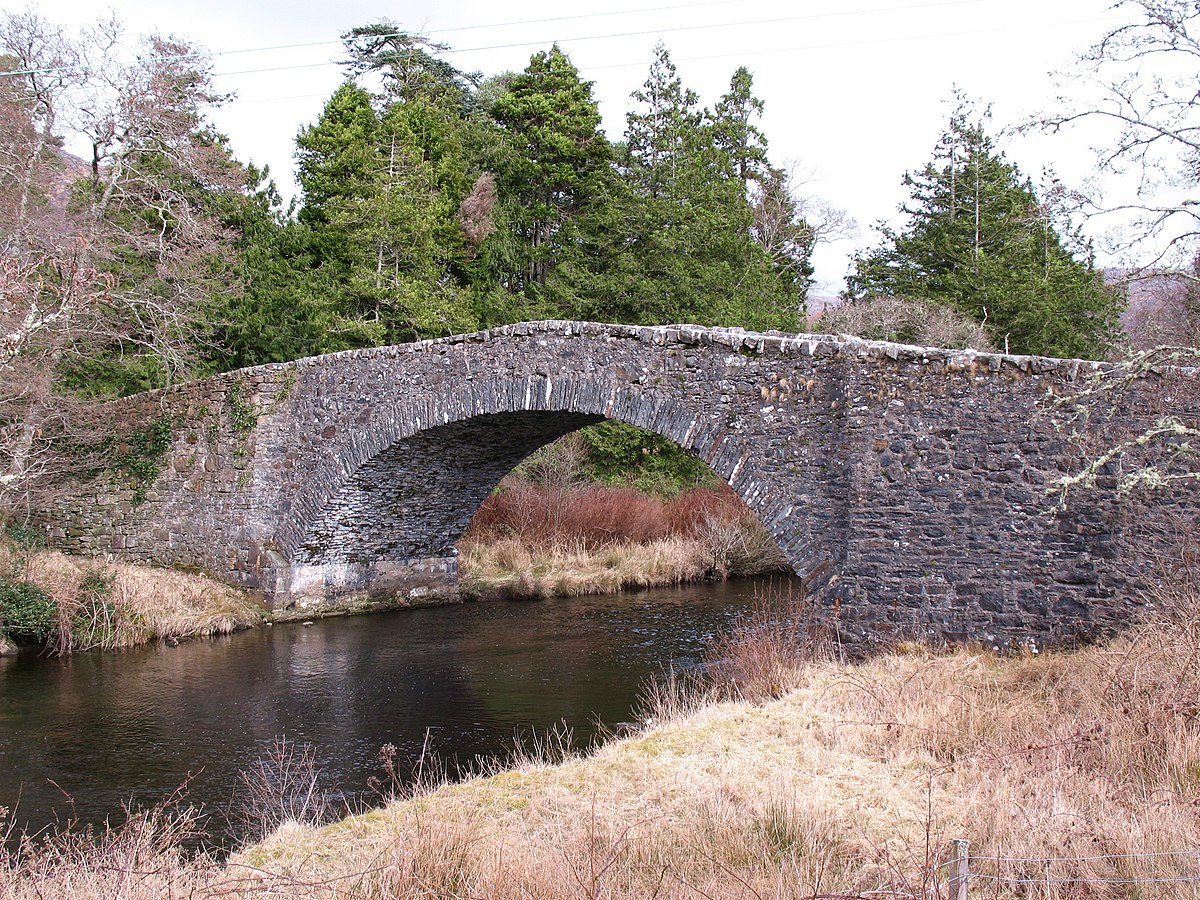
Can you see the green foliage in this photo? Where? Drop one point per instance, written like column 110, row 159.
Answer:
column 409, row 66
column 279, row 314
column 25, row 536
column 619, row 453
column 558, row 160
column 673, row 240
column 26, row 611
column 382, row 194
column 242, row 414
column 140, row 455
column 434, row 204
column 979, row 240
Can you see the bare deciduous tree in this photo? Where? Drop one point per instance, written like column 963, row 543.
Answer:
column 44, row 68
column 1139, row 87
column 50, row 310
column 113, row 265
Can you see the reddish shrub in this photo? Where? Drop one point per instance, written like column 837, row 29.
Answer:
column 597, row 516
column 691, row 510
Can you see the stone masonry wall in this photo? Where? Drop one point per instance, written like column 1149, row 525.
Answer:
column 907, row 485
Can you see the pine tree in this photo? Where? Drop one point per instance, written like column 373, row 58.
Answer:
column 735, row 133
column 384, row 179
column 560, row 163
column 978, row 239
column 336, row 156
column 674, row 241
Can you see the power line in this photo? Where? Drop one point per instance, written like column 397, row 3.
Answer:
column 326, row 43
column 839, row 45
column 734, row 54
column 211, row 54
column 737, row 24
column 627, row 34
column 623, row 12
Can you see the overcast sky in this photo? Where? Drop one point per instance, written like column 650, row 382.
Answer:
column 857, row 92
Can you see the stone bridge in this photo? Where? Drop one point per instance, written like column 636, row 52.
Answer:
column 906, row 485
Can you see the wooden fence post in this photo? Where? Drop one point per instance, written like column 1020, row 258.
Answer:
column 959, row 870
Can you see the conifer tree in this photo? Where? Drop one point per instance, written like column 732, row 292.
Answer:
column 735, row 133
column 384, row 179
column 559, row 163
column 675, row 243
column 978, row 239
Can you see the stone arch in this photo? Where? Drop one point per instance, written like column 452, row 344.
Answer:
column 419, row 469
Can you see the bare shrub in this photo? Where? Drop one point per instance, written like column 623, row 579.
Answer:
column 769, row 647
column 741, row 545
column 599, row 516
column 1163, row 308
column 675, row 695
column 282, row 786
column 596, row 516
column 558, row 466
column 906, row 321
column 399, row 782
column 144, row 858
column 689, row 511
column 767, row 652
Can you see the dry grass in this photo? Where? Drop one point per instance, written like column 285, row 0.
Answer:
column 142, row 860
column 511, row 568
column 849, row 784
column 135, row 604
column 530, row 540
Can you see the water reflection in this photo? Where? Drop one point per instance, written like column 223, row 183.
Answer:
column 107, row 729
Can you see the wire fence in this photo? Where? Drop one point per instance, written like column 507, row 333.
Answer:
column 982, row 874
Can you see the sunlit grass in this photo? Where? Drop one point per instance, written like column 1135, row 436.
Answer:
column 110, row 605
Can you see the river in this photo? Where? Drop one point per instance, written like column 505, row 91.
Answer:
column 82, row 736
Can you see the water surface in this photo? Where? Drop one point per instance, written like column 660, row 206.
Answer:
column 83, row 735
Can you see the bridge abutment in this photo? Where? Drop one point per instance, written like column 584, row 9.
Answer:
column 384, row 584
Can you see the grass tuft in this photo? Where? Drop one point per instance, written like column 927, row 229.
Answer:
column 96, row 605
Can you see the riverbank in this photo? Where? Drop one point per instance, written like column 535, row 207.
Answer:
column 791, row 774
column 69, row 603
column 532, row 541
column 1079, row 770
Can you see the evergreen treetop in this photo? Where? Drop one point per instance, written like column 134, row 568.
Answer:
column 979, row 239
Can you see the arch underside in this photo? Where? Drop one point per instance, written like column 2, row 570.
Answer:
column 415, row 499
column 390, row 524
